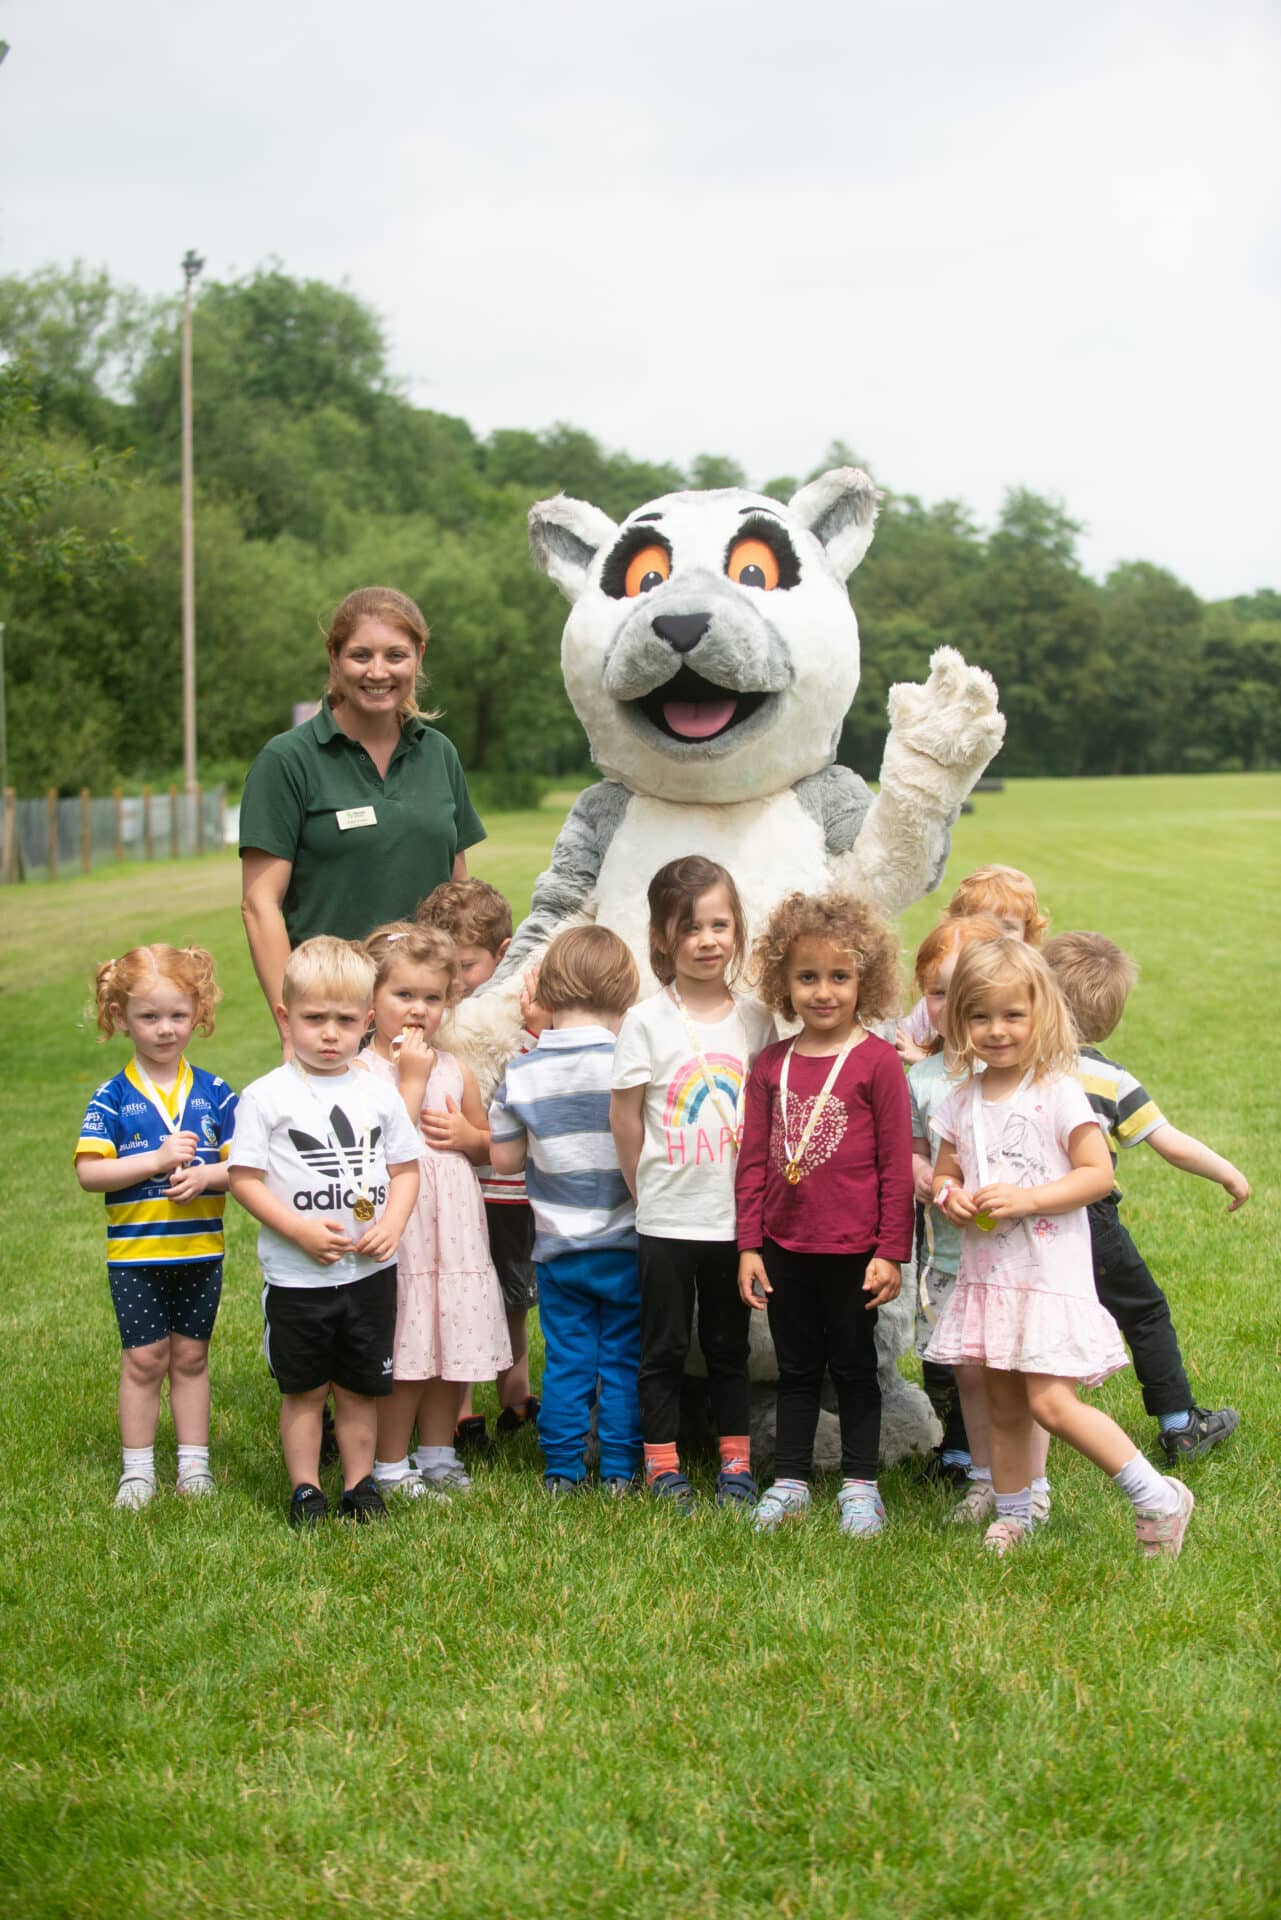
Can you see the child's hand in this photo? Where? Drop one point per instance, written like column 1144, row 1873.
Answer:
column 882, row 1281
column 960, row 1206
column 906, row 1048
column 377, row 1243
column 923, row 1180
column 448, row 1132
column 1238, row 1187
column 1005, row 1202
column 534, row 1016
column 415, row 1058
column 753, row 1281
column 176, row 1151
column 324, row 1240
column 186, row 1182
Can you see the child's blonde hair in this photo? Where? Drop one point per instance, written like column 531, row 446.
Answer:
column 851, row 925
column 588, row 967
column 1095, row 978
column 334, row 969
column 1004, row 893
column 402, row 943
column 191, row 969
column 947, row 938
column 473, row 912
column 990, row 966
column 674, row 892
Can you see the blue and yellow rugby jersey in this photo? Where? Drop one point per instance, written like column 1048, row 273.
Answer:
column 145, row 1227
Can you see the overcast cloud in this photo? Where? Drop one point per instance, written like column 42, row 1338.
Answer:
column 985, row 244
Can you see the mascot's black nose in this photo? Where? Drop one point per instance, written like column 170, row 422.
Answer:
column 682, row 630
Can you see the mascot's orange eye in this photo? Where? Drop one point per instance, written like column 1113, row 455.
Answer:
column 646, row 570
column 752, row 564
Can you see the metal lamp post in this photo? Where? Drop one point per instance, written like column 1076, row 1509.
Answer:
column 192, row 265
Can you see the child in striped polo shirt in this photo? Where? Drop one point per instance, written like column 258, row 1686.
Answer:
column 550, row 1116
column 1095, row 978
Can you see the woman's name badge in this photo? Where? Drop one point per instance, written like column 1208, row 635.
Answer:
column 356, row 817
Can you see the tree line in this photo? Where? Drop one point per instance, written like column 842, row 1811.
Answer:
column 316, row 473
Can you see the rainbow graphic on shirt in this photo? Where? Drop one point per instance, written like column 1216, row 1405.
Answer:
column 687, row 1093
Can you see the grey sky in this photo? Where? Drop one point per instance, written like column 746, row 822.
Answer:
column 985, row 244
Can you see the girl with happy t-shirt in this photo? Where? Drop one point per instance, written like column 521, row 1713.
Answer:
column 679, row 1069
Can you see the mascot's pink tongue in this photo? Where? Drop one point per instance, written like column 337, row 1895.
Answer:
column 698, row 719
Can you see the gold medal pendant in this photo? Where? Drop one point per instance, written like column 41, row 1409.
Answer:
column 793, row 1173
column 363, row 1209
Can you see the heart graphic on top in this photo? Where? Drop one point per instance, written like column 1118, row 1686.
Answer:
column 824, row 1140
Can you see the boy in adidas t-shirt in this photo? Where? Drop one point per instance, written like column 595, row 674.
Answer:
column 325, row 1157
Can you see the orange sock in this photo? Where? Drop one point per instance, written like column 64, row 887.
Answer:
column 660, row 1459
column 736, row 1453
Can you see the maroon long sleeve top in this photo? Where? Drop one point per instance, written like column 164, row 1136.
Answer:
column 856, row 1193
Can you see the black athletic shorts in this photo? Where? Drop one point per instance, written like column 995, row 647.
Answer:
column 313, row 1336
column 511, row 1248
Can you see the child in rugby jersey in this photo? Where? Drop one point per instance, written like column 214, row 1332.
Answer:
column 479, row 920
column 1095, row 978
column 550, row 1116
column 154, row 1142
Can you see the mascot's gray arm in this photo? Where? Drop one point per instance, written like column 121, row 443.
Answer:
column 565, row 888
column 839, row 801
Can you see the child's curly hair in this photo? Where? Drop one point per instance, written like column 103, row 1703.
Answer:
column 1004, row 893
column 191, row 970
column 476, row 914
column 401, row 942
column 853, row 926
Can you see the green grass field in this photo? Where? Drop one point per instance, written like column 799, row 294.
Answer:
column 510, row 1708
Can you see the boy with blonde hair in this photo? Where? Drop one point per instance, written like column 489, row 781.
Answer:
column 1096, row 977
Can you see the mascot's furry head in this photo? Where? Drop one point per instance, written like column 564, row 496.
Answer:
column 712, row 652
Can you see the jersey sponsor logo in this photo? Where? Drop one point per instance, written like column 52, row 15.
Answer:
column 208, row 1131
column 93, row 1122
column 335, row 1198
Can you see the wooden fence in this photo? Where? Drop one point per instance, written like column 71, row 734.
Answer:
column 62, row 834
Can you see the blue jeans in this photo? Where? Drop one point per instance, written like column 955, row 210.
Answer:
column 589, row 1308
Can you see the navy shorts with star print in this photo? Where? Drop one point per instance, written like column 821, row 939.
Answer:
column 176, row 1296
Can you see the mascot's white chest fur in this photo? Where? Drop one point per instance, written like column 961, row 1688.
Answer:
column 771, row 847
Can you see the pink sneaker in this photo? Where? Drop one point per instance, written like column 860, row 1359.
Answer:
column 1004, row 1535
column 1162, row 1533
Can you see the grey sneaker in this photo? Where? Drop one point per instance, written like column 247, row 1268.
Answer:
column 862, row 1512
column 560, row 1487
column 1204, row 1430
column 978, row 1505
column 779, row 1503
column 407, row 1486
column 135, row 1490
column 448, row 1484
column 198, row 1484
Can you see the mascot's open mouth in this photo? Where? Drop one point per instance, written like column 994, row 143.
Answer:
column 687, row 707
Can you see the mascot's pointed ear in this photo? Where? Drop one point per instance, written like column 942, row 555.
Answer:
column 565, row 536
column 839, row 508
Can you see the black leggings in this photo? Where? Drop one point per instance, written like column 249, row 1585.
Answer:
column 1140, row 1309
column 820, row 1320
column 673, row 1274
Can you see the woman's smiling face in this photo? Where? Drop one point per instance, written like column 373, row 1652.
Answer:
column 375, row 670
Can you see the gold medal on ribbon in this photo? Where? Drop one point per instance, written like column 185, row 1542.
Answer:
column 363, row 1208
column 793, row 1173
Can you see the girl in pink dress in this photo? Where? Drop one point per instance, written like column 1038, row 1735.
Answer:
column 450, row 1322
column 1021, row 1157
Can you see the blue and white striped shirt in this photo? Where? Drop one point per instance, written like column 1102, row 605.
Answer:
column 557, row 1098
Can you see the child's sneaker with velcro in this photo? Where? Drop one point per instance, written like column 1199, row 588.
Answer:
column 1160, row 1535
column 978, row 1505
column 861, row 1510
column 135, row 1490
column 363, row 1502
column 307, row 1506
column 785, row 1500
column 1205, row 1429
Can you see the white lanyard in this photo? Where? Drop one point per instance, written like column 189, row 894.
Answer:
column 793, row 1171
column 733, row 1121
column 977, row 1104
column 363, row 1207
column 157, row 1098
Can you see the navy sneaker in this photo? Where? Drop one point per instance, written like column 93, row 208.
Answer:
column 736, row 1489
column 674, row 1489
column 307, row 1506
column 363, row 1502
column 1203, row 1431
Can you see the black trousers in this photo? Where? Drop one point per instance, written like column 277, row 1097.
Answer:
column 1140, row 1309
column 674, row 1275
column 820, row 1321
column 940, row 1391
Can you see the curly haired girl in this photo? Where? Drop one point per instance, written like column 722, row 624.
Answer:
column 154, row 1142
column 824, row 1190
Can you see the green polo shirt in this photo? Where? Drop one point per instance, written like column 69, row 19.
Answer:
column 363, row 850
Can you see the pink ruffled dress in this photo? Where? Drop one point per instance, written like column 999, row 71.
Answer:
column 1024, row 1299
column 450, row 1323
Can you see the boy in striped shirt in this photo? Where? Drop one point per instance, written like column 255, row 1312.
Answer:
column 1095, row 977
column 550, row 1116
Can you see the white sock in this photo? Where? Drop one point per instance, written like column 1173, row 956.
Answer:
column 1140, row 1482
column 1015, row 1507
column 980, row 1473
column 192, row 1460
column 1040, row 1484
column 435, row 1461
column 139, row 1462
column 392, row 1472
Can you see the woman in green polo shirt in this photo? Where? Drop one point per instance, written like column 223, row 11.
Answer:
column 351, row 819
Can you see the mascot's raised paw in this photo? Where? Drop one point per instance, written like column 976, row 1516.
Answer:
column 953, row 718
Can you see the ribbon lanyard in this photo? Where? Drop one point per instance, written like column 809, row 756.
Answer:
column 977, row 1104
column 181, row 1088
column 793, row 1171
column 363, row 1208
column 733, row 1121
